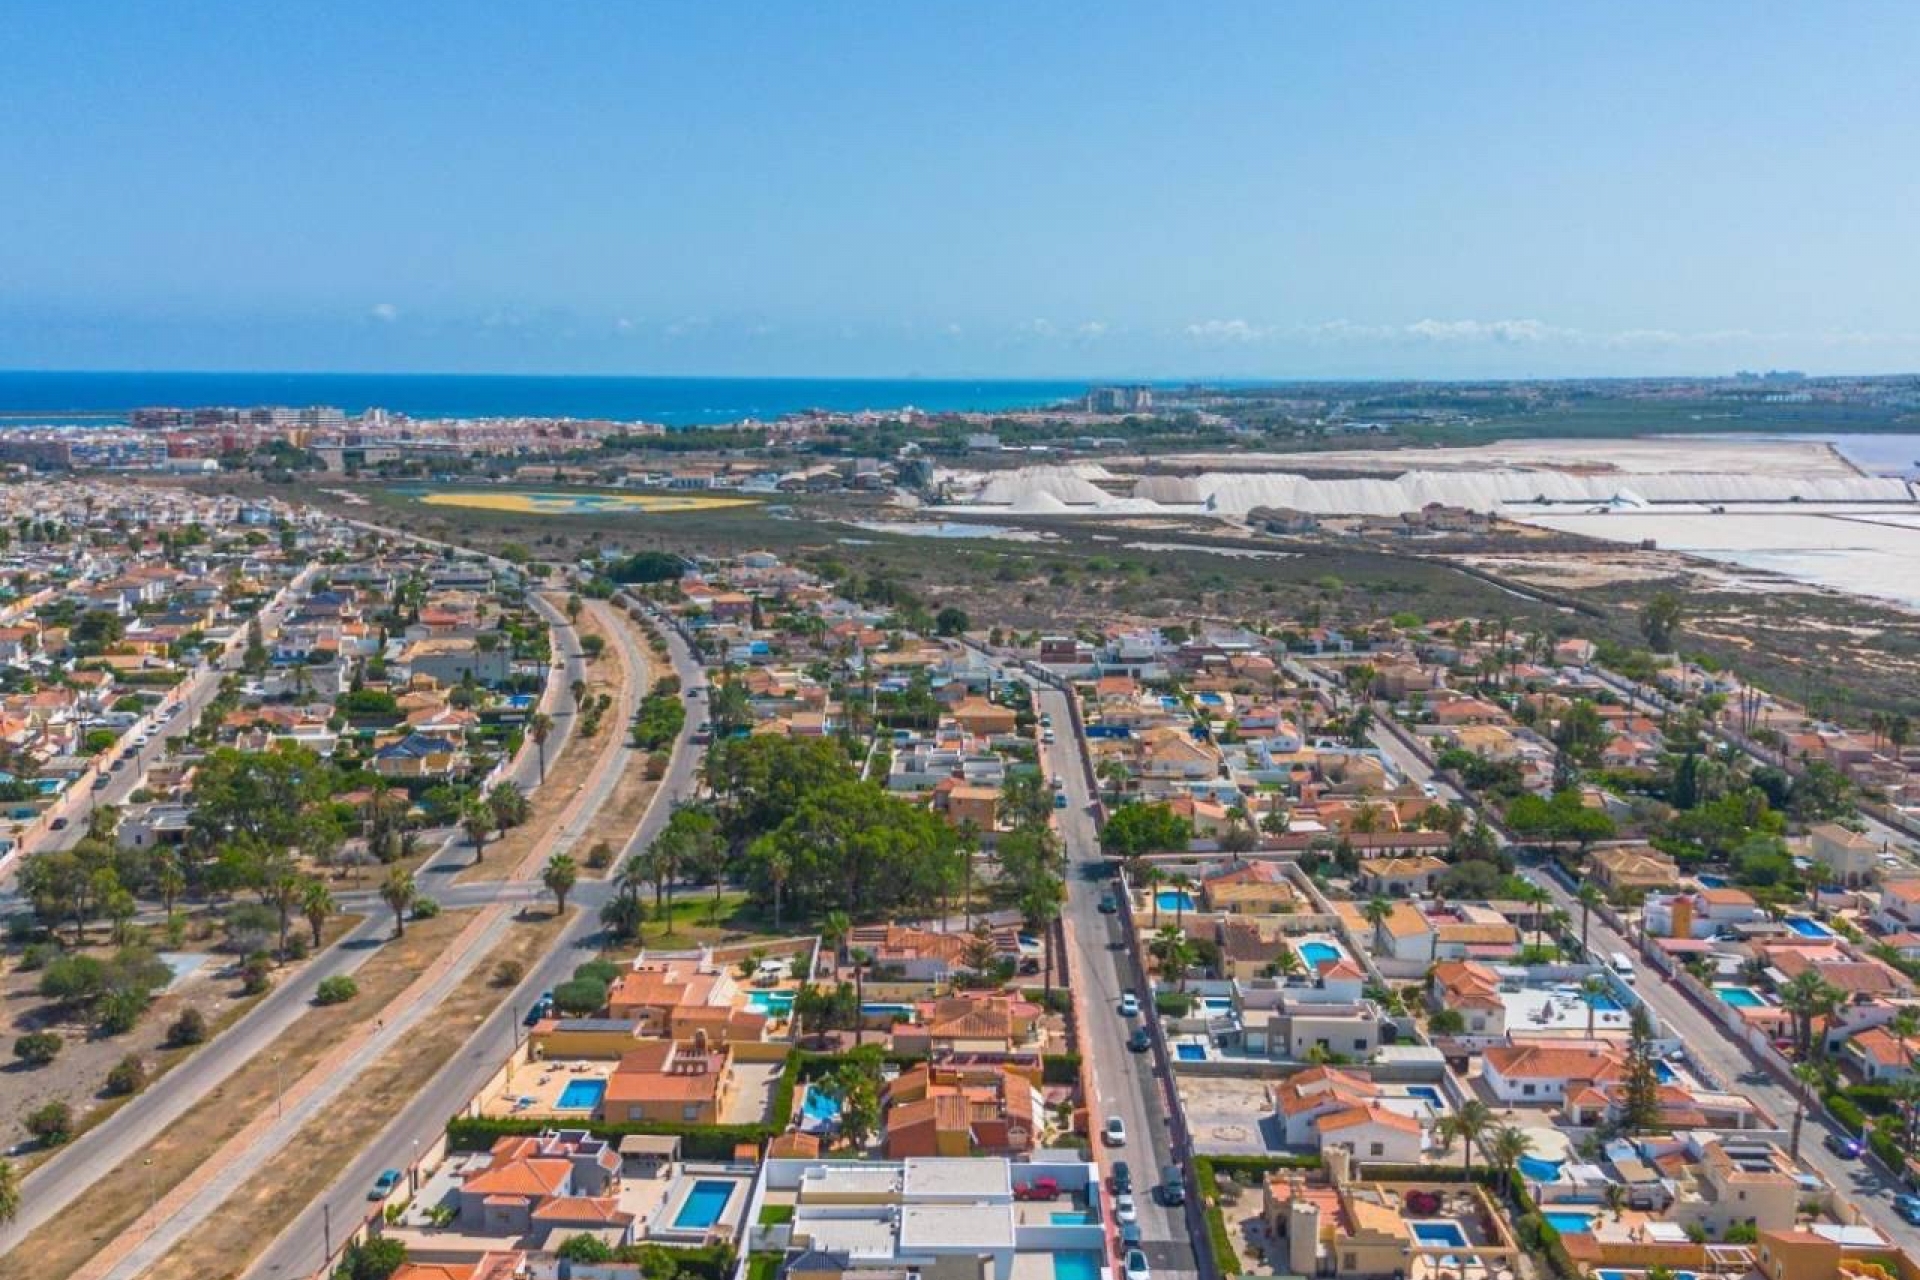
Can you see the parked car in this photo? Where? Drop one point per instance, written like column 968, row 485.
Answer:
column 1038, row 1189
column 1129, row 1005
column 1844, row 1147
column 1125, row 1210
column 1137, row 1268
column 384, row 1184
column 1116, row 1132
column 1908, row 1207
column 1107, row 905
column 1173, row 1186
column 1121, row 1179
column 1140, row 1041
column 1059, row 799
column 1129, row 1235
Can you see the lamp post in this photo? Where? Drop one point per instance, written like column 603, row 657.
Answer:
column 279, row 1093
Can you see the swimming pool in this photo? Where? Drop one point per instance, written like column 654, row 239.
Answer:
column 1740, row 997
column 1217, row 1004
column 1569, row 1221
column 774, row 1004
column 1602, row 1002
column 901, row 1012
column 1808, row 928
column 1314, row 954
column 1427, row 1094
column 1070, row 1218
column 1190, row 1052
column 1712, row 882
column 820, row 1107
column 1440, row 1233
column 1535, row 1169
column 1174, row 900
column 1076, row 1266
column 703, row 1205
column 1664, row 1073
column 581, row 1095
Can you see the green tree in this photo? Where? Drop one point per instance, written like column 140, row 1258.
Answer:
column 316, row 904
column 1467, row 1125
column 1144, row 828
column 560, row 875
column 1660, row 621
column 374, row 1258
column 540, row 728
column 1640, row 1110
column 398, row 891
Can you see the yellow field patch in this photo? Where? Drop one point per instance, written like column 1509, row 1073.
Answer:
column 580, row 504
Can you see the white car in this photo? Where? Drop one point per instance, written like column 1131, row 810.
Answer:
column 1116, row 1132
column 1129, row 1005
column 1137, row 1266
column 1125, row 1210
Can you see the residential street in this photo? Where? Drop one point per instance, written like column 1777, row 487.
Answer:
column 1125, row 1083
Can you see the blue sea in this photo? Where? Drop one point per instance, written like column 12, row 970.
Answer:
column 106, row 398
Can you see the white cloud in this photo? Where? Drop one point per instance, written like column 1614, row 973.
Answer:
column 1092, row 329
column 623, row 325
column 1224, row 332
column 1510, row 331
column 385, row 312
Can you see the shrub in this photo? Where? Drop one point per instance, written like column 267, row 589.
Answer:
column 1845, row 1113
column 1060, row 1068
column 508, row 973
column 600, row 857
column 656, row 766
column 256, row 974
column 585, row 1248
column 425, row 908
column 37, row 1048
column 337, row 989
column 36, row 956
column 52, row 1123
column 375, row 1258
column 119, row 1011
column 604, row 972
column 73, row 979
column 129, row 1075
column 580, row 996
column 190, row 1028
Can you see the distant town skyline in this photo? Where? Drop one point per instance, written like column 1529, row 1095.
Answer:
column 1113, row 192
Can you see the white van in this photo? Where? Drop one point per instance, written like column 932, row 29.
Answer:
column 1621, row 963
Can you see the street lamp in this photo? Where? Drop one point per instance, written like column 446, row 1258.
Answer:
column 279, row 1094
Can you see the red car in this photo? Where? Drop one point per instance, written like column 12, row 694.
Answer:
column 1038, row 1189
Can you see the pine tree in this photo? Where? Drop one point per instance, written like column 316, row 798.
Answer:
column 1642, row 1109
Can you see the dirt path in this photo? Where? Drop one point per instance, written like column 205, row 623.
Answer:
column 307, row 1165
column 571, row 772
column 114, row 1203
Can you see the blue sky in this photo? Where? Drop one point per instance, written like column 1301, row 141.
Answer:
column 977, row 189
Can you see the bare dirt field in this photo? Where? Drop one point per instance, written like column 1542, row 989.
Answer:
column 93, row 1220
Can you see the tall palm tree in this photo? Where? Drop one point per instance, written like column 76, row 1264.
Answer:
column 540, row 728
column 1592, row 989
column 1040, row 908
column 1807, row 997
column 1467, row 1125
column 1174, row 951
column 1807, row 1076
column 560, row 875
column 398, row 892
column 1506, row 1148
column 316, row 904
column 1589, row 899
column 1377, row 911
column 833, row 931
column 1183, row 883
column 1150, row 879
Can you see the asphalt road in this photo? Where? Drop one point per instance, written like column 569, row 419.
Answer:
column 1708, row 1043
column 303, row 1247
column 69, row 1172
column 1125, row 1083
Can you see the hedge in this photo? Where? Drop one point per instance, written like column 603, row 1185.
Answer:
column 697, row 1142
column 1849, row 1116
column 1060, row 1068
column 775, row 1215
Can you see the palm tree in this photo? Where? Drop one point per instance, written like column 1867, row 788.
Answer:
column 1468, row 1124
column 1174, row 952
column 539, row 728
column 1615, row 1198
column 477, row 821
column 1287, row 961
column 398, row 892
column 634, row 874
column 1807, row 996
column 1040, row 908
column 1807, row 1076
column 1182, row 883
column 1536, row 897
column 1593, row 988
column 559, row 875
column 1589, row 899
column 316, row 904
column 1377, row 911
column 779, row 871
column 1508, row 1145
column 834, row 931
column 861, row 959
column 1151, row 879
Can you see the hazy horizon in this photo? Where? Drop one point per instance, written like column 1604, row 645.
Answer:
column 1252, row 192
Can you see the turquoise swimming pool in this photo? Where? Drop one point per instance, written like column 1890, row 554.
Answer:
column 773, row 1004
column 1740, row 997
column 1315, row 954
column 1174, row 900
column 704, row 1205
column 581, row 1095
column 1569, row 1221
column 1076, row 1266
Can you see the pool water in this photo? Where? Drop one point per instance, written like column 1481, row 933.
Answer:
column 1567, row 1221
column 581, row 1095
column 902, row 1011
column 1664, row 1073
column 1740, row 997
column 1190, row 1052
column 1536, row 1169
column 1447, row 1233
column 821, row 1106
column 1808, row 928
column 1314, row 954
column 703, row 1205
column 1076, row 1266
column 1603, row 1003
column 774, row 1004
column 1070, row 1218
column 1426, row 1093
column 1712, row 882
column 1174, row 900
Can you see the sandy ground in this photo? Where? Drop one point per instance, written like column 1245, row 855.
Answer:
column 1650, row 456
column 246, row 1223
column 59, row 1247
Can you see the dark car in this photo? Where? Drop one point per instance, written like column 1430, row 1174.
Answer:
column 1173, row 1186
column 1908, row 1207
column 1121, row 1179
column 540, row 1010
column 1129, row 1235
column 1107, row 905
column 1140, row 1041
column 1844, row 1147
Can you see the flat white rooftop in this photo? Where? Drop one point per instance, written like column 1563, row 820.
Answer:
column 861, row 1233
column 842, row 1179
column 1561, row 1009
column 934, row 1178
column 956, row 1226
